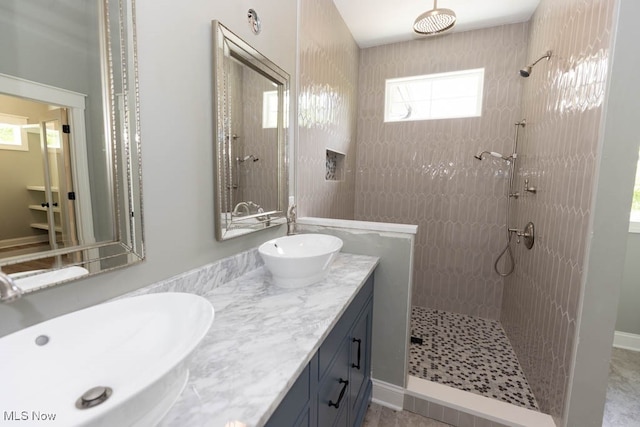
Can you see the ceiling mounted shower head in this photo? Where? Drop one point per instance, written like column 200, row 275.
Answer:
column 526, row 71
column 434, row 21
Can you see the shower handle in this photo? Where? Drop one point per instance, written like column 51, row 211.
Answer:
column 527, row 234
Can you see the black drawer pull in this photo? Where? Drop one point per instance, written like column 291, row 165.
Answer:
column 353, row 365
column 344, row 388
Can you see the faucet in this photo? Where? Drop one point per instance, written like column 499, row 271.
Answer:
column 291, row 220
column 9, row 291
column 242, row 205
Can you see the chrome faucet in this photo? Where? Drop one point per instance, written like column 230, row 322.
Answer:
column 242, row 205
column 291, row 220
column 9, row 291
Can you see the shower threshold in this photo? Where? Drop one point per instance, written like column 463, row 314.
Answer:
column 462, row 408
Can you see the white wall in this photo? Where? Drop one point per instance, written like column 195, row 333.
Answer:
column 174, row 47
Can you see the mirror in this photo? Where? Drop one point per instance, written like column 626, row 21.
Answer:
column 250, row 98
column 69, row 140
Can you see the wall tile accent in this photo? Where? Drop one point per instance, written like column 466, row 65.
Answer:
column 423, row 172
column 327, row 98
column 563, row 103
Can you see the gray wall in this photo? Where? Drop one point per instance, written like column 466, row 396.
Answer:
column 177, row 148
column 392, row 295
column 629, row 305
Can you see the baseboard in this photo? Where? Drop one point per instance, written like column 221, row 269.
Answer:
column 19, row 241
column 386, row 394
column 626, row 341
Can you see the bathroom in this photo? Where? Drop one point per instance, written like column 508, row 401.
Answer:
column 175, row 79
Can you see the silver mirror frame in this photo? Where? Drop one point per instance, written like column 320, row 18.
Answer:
column 121, row 110
column 226, row 44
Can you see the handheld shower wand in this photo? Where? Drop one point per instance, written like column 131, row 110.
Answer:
column 245, row 158
column 494, row 154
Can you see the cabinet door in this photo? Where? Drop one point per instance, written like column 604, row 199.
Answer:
column 360, row 365
column 333, row 391
column 294, row 408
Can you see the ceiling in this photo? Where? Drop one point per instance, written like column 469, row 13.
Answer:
column 376, row 22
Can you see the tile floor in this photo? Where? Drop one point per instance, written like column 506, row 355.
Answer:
column 467, row 353
column 622, row 408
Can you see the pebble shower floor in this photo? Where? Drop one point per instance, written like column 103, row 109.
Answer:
column 467, row 353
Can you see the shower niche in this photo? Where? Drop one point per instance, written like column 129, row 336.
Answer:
column 334, row 166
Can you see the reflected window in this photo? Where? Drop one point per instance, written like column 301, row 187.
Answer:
column 434, row 96
column 635, row 204
column 13, row 135
column 270, row 109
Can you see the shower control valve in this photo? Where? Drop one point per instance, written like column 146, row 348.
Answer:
column 527, row 234
column 528, row 188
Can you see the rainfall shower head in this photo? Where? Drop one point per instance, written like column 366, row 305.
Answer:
column 434, row 21
column 526, row 71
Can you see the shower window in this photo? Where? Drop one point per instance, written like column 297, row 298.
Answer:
column 434, row 96
column 635, row 205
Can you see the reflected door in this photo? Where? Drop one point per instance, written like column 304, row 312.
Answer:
column 59, row 189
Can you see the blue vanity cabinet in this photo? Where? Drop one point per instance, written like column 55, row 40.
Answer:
column 334, row 390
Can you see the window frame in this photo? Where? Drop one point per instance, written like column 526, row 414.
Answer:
column 18, row 122
column 430, row 80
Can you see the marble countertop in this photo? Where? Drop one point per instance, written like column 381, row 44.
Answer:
column 261, row 339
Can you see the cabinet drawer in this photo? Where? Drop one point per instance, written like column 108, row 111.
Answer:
column 335, row 338
column 334, row 389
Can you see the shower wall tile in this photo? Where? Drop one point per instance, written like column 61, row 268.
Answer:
column 423, row 172
column 327, row 102
column 563, row 105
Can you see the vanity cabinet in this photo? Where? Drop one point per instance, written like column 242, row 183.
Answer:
column 335, row 387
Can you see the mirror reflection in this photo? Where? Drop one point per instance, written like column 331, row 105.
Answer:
column 69, row 139
column 251, row 98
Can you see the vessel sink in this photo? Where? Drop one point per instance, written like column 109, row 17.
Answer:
column 34, row 279
column 120, row 363
column 301, row 259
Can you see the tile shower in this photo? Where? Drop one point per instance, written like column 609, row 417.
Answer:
column 424, row 172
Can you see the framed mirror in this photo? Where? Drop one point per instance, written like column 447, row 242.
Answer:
column 250, row 101
column 70, row 191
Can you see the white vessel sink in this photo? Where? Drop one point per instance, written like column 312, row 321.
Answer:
column 34, row 279
column 301, row 259
column 137, row 347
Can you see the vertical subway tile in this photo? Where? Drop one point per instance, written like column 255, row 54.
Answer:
column 465, row 420
column 422, row 407
column 436, row 411
column 563, row 115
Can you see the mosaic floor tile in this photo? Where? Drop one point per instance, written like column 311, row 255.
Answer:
column 467, row 353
